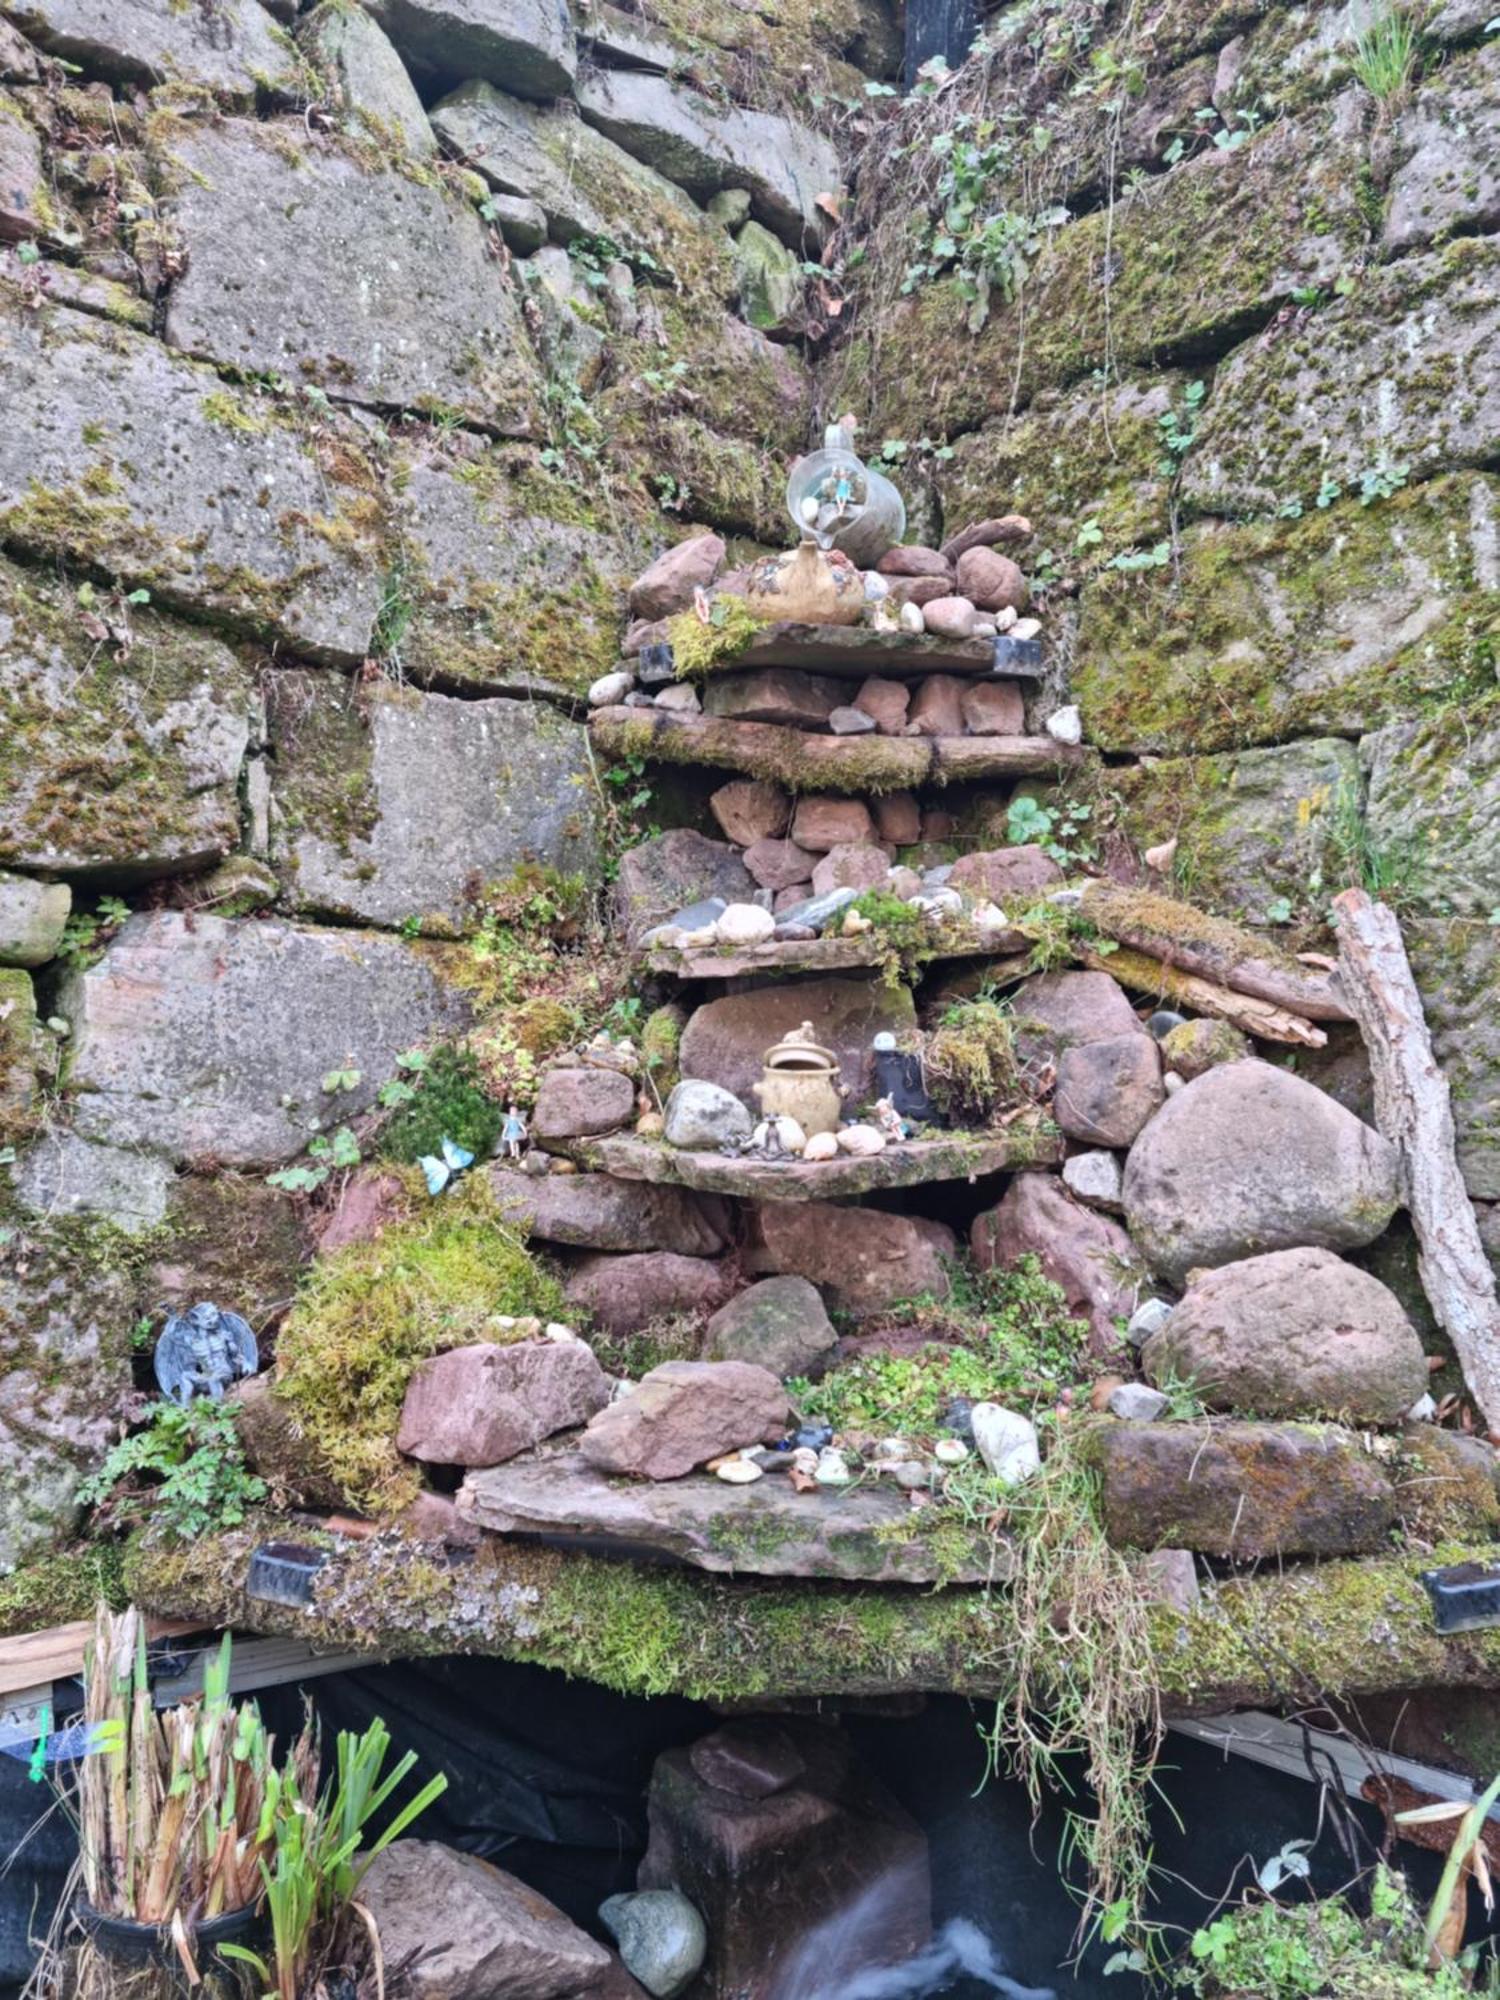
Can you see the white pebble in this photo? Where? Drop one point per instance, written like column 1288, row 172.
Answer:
column 833, row 1468
column 681, row 697
column 561, row 1334
column 610, row 688
column 1422, row 1411
column 1006, row 617
column 1065, row 725
column 1007, row 1442
column 821, row 1146
column 1149, row 1317
column 863, row 1141
column 744, row 923
column 912, row 619
column 1026, row 628
column 738, row 1472
column 950, row 1451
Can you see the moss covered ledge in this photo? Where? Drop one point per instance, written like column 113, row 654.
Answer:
column 1354, row 1628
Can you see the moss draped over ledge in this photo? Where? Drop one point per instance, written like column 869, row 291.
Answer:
column 1354, row 1628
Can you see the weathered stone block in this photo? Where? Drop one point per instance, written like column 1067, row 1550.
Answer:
column 704, row 146
column 1277, row 628
column 32, row 917
column 525, row 44
column 376, row 287
column 1433, row 807
column 366, row 77
column 481, row 1405
column 23, row 176
column 671, row 871
column 863, row 1258
column 1399, row 373
column 207, row 497
column 1448, row 144
column 391, row 806
column 682, row 1414
column 1088, row 1256
column 596, row 1212
column 577, row 1103
column 235, row 51
column 1298, row 1333
column 1251, row 827
column 780, row 1324
column 1457, row 969
column 18, row 1083
column 64, row 1175
column 204, row 1037
column 131, row 767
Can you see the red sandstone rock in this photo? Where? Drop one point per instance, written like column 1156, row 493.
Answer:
column 1107, row 1090
column 747, row 810
column 914, row 560
column 985, row 534
column 481, row 1405
column 822, row 823
column 937, row 707
column 779, row 864
column 950, row 617
column 624, row 1293
column 868, row 1259
column 992, row 581
column 887, row 701
column 669, row 583
column 683, row 1414
column 898, row 818
column 1089, row 1256
column 855, row 865
column 1014, row 873
column 993, row 708
column 576, row 1103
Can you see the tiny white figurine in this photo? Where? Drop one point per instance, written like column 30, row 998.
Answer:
column 513, row 1134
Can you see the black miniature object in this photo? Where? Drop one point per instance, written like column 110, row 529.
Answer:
column 202, row 1352
column 284, row 1573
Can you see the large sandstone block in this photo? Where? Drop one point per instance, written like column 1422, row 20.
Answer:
column 366, row 78
column 481, row 1405
column 1247, row 1491
column 525, row 44
column 1433, row 806
column 376, row 287
column 1272, row 629
column 234, row 50
column 392, row 807
column 1448, row 144
column 585, row 183
column 1249, row 1158
column 628, row 1292
column 1345, row 393
column 205, row 1037
column 862, row 1257
column 684, row 1413
column 1089, row 1257
column 781, row 1324
column 704, row 146
column 509, row 594
column 64, row 1175
column 1297, row 1333
column 725, row 1041
column 121, row 456
column 65, row 1321
column 596, row 1212
column 130, row 765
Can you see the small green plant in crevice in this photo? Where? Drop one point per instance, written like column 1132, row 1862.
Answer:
column 1060, row 830
column 87, row 932
column 1225, row 135
column 1387, row 53
column 1177, row 428
column 1381, row 481
column 393, row 620
column 902, row 934
column 447, row 1101
column 327, row 1153
column 184, row 1471
column 699, row 645
column 970, row 1062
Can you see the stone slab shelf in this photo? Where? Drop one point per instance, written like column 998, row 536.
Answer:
column 800, row 761
column 959, row 1156
column 817, row 955
column 853, row 1535
column 854, row 652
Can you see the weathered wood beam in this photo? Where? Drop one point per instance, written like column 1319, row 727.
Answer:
column 1414, row 1109
column 802, row 762
column 1217, row 950
column 1200, row 996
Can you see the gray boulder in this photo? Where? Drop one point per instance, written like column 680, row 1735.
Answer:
column 373, row 286
column 1448, row 143
column 1296, row 1333
column 235, row 50
column 1107, row 1090
column 200, row 1036
column 597, row 1212
column 388, row 804
column 462, row 1929
column 366, row 77
column 661, row 876
column 1434, row 798
column 705, row 146
column 64, row 1175
column 18, row 1054
column 703, row 1118
column 180, row 514
column 525, row 44
column 661, row 1936
column 1249, row 1158
column 781, row 1323
column 65, row 1322
column 32, row 915
column 771, row 280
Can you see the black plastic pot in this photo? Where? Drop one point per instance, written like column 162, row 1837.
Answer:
column 133, row 1946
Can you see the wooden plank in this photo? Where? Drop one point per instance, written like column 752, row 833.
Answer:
column 803, row 762
column 818, row 955
column 959, row 1156
column 854, row 651
column 56, row 1654
column 1414, row 1110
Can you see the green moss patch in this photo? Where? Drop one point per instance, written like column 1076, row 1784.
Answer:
column 61, row 1589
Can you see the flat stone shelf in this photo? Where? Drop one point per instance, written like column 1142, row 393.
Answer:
column 814, row 955
column 852, row 1534
column 958, row 1156
column 800, row 761
column 853, row 651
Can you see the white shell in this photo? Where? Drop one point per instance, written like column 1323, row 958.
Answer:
column 912, row 619
column 610, row 688
column 1005, row 618
column 744, row 923
column 987, row 917
column 861, row 1140
column 950, row 1451
column 821, row 1146
column 739, row 1472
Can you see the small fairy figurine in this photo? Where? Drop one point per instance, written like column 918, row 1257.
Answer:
column 889, row 1122
column 513, row 1134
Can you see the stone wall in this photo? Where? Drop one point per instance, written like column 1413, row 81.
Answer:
column 352, row 362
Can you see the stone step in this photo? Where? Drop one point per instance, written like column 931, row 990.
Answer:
column 959, row 1156
column 823, row 954
column 854, row 652
column 767, row 1529
column 804, row 762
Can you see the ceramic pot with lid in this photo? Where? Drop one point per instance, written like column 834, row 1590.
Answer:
column 801, row 1080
